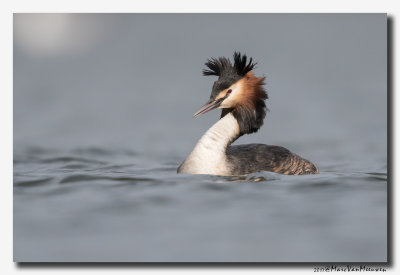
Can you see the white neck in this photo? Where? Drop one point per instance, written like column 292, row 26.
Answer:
column 209, row 154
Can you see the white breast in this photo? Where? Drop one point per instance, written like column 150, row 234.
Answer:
column 209, row 154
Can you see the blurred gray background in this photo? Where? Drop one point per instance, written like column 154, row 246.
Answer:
column 134, row 80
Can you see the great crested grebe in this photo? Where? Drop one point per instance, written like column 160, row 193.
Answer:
column 240, row 95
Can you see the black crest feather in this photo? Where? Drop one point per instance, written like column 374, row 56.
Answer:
column 241, row 66
column 218, row 66
column 223, row 67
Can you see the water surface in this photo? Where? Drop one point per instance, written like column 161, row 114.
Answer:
column 91, row 204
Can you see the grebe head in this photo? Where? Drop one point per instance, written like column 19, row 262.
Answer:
column 237, row 90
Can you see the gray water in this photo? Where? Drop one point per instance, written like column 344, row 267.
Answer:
column 102, row 119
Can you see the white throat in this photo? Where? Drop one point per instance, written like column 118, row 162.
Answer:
column 209, row 154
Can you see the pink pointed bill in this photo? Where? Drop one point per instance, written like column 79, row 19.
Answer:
column 210, row 105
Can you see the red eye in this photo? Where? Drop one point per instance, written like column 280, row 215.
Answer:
column 229, row 91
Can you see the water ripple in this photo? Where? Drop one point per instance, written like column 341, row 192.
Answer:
column 71, row 159
column 85, row 178
column 32, row 183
